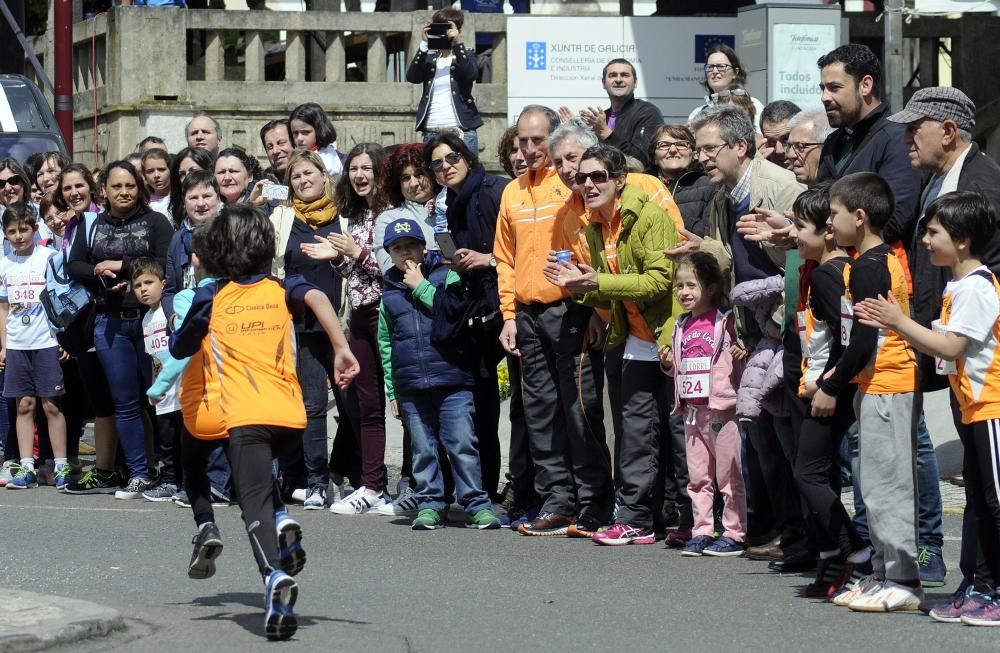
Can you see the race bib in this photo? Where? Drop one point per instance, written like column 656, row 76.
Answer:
column 695, row 377
column 846, row 320
column 156, row 341
column 800, row 322
column 26, row 293
column 941, row 366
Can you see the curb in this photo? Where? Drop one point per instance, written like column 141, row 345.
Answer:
column 34, row 622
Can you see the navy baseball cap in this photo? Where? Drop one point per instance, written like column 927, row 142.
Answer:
column 402, row 229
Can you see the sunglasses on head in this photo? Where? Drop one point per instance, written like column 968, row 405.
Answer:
column 13, row 181
column 452, row 158
column 597, row 176
column 730, row 92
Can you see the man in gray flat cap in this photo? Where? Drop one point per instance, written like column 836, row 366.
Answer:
column 939, row 125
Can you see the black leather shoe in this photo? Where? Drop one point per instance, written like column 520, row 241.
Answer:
column 793, row 564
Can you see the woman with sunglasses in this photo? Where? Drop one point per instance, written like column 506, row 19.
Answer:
column 473, row 203
column 674, row 163
column 14, row 182
column 632, row 277
column 723, row 70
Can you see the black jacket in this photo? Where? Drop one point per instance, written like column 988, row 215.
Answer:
column 876, row 145
column 319, row 273
column 464, row 71
column 637, row 121
column 982, row 175
column 692, row 191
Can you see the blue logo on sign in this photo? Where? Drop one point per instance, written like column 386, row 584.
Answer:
column 535, row 55
column 704, row 42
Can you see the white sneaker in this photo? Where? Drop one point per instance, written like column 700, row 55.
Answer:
column 892, row 597
column 404, row 505
column 6, row 474
column 865, row 585
column 358, row 502
column 315, row 500
column 299, row 495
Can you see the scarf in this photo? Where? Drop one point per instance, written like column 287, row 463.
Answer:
column 316, row 213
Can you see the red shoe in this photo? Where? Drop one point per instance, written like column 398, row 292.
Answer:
column 678, row 539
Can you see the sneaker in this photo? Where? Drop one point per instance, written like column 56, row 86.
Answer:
column 932, row 568
column 724, row 547
column 404, row 505
column 831, row 576
column 965, row 599
column 180, row 499
column 679, row 538
column 316, row 499
column 622, row 534
column 136, row 486
column 219, row 498
column 546, row 524
column 279, row 598
column 207, row 547
column 95, row 481
column 986, row 614
column 484, row 520
column 696, row 546
column 855, row 589
column 518, row 515
column 299, row 495
column 358, row 502
column 585, row 526
column 6, row 472
column 61, row 477
column 161, row 493
column 428, row 519
column 892, row 597
column 24, row 478
column 290, row 551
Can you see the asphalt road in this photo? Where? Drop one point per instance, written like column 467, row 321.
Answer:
column 373, row 585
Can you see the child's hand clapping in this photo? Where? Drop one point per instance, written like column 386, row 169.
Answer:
column 882, row 313
column 413, row 276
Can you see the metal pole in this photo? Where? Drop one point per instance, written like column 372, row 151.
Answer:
column 895, row 74
column 63, row 96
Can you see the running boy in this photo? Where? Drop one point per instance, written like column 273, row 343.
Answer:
column 247, row 322
column 885, row 369
column 964, row 343
column 432, row 380
column 28, row 348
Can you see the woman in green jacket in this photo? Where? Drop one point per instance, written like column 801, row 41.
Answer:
column 631, row 283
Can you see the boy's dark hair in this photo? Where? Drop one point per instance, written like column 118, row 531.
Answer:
column 858, row 61
column 965, row 215
column 707, row 269
column 312, row 114
column 812, row 206
column 240, row 242
column 449, row 15
column 868, row 192
column 199, row 246
column 147, row 265
column 17, row 213
column 778, row 112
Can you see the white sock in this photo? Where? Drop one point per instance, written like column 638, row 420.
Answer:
column 59, row 463
column 833, row 553
column 28, row 464
column 860, row 556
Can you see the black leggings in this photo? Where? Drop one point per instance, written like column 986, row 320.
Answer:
column 194, row 463
column 817, row 475
column 981, row 470
column 251, row 452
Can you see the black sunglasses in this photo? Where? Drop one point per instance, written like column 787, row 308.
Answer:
column 597, row 176
column 452, row 158
column 13, row 181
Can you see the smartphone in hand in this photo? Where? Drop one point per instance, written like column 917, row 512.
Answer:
column 446, row 243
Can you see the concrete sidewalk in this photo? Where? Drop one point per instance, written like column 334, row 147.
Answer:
column 33, row 622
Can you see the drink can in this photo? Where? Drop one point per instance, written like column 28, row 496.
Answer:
column 564, row 256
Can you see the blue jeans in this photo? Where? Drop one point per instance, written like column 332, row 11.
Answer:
column 444, row 416
column 128, row 369
column 314, row 365
column 470, row 138
column 930, row 533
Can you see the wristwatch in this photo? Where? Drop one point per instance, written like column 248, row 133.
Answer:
column 493, row 261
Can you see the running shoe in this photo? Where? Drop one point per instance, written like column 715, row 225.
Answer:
column 965, row 599
column 404, row 505
column 358, row 502
column 6, row 472
column 207, row 547
column 831, row 575
column 483, row 520
column 136, row 486
column 622, row 534
column 61, row 477
column 518, row 515
column 724, row 547
column 279, row 598
column 986, row 614
column 546, row 524
column 315, row 499
column 678, row 539
column 892, row 597
column 95, row 481
column 585, row 526
column 932, row 568
column 161, row 493
column 855, row 589
column 428, row 519
column 290, row 551
column 24, row 478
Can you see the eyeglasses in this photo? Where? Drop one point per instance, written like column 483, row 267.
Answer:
column 13, row 181
column 802, row 148
column 710, row 151
column 597, row 176
column 733, row 92
column 717, row 67
column 680, row 146
column 452, row 158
